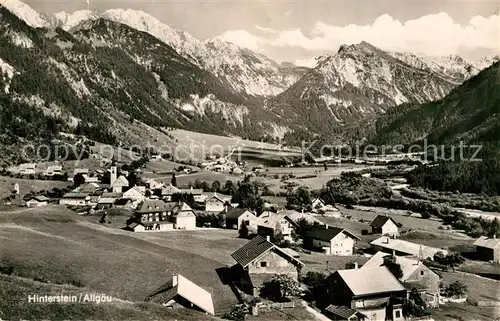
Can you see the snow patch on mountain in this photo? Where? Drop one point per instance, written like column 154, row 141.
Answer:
column 7, row 72
column 70, row 20
column 26, row 13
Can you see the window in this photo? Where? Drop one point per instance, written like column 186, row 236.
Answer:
column 247, row 223
column 421, row 272
column 397, row 314
column 263, row 264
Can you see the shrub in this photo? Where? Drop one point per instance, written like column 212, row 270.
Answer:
column 364, row 232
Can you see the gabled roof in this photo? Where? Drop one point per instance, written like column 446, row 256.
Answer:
column 370, row 281
column 380, row 221
column 255, row 248
column 39, row 198
column 181, row 286
column 328, row 233
column 153, row 206
column 344, row 312
column 75, row 195
column 222, row 198
column 120, row 181
column 487, row 242
column 417, row 250
column 237, row 212
column 182, row 208
column 408, row 265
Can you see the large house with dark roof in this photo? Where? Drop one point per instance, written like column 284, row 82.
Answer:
column 374, row 292
column 384, row 225
column 332, row 240
column 152, row 215
column 259, row 260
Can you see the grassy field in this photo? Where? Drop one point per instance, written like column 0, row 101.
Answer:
column 184, row 179
column 14, row 305
column 26, row 185
column 163, row 166
column 58, row 246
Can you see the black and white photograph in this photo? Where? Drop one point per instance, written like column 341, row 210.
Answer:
column 250, row 160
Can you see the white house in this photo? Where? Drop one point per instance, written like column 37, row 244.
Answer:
column 119, row 184
column 333, row 240
column 53, row 170
column 273, row 223
column 384, row 225
column 27, row 169
column 37, row 201
column 215, row 203
column 136, row 193
column 75, row 199
column 318, row 203
column 183, row 217
column 404, row 248
column 238, row 216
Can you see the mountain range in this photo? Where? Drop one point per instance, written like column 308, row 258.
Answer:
column 113, row 72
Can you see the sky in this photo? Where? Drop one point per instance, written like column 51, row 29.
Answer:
column 301, row 30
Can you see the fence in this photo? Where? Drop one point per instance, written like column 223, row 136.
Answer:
column 263, row 307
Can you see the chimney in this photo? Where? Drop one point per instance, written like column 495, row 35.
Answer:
column 175, row 280
column 356, row 265
column 268, row 238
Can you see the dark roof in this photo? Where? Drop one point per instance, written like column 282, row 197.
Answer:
column 341, row 311
column 255, row 248
column 155, row 206
column 252, row 250
column 380, row 221
column 327, row 234
column 236, row 212
column 123, row 201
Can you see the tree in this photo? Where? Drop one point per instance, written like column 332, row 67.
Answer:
column 247, row 197
column 79, row 179
column 350, row 265
column 303, row 227
column 299, row 198
column 414, row 305
column 393, row 266
column 243, row 231
column 229, row 187
column 216, row 187
column 280, row 287
column 494, row 230
column 456, row 289
column 174, row 180
column 315, row 282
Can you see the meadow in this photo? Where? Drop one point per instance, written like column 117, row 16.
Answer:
column 26, row 185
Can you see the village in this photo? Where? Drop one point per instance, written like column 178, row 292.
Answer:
column 317, row 261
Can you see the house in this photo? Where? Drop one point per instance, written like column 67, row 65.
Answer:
column 318, row 203
column 270, row 224
column 37, row 201
column 237, row 216
column 181, row 292
column 259, row 260
column 119, row 184
column 373, row 292
column 183, row 217
column 488, row 248
column 404, row 248
column 136, row 193
column 168, row 192
column 384, row 225
column 336, row 312
column 124, row 203
column 83, row 171
column 27, row 169
column 106, row 202
column 332, row 240
column 215, row 203
column 152, row 215
column 152, row 184
column 90, row 188
column 415, row 276
column 53, row 170
column 75, row 199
